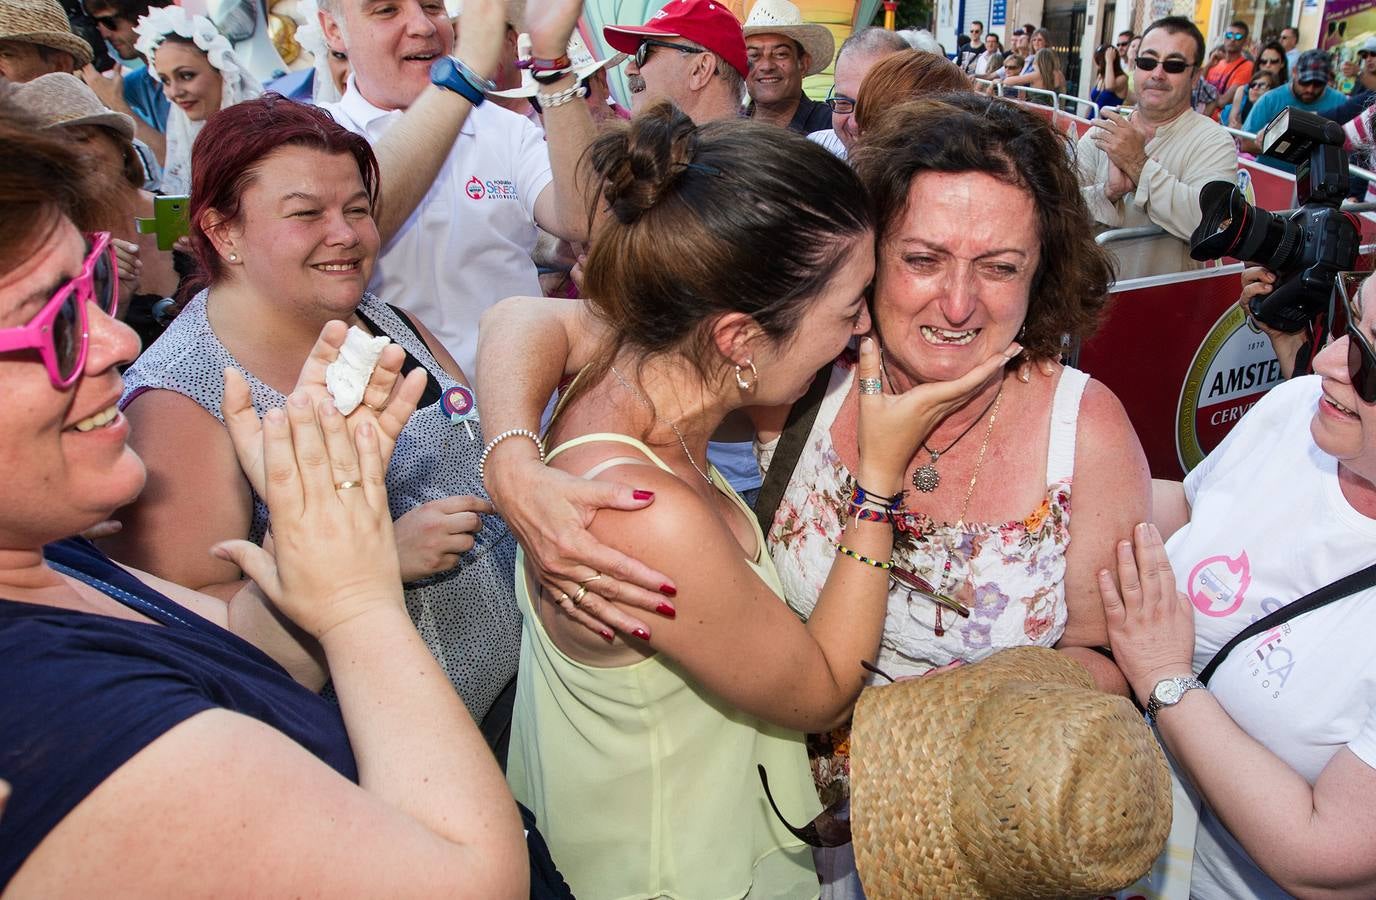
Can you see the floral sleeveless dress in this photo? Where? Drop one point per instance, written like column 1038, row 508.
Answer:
column 1011, row 575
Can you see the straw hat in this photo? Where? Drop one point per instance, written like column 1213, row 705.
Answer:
column 42, row 22
column 1011, row 777
column 61, row 99
column 783, row 17
column 584, row 64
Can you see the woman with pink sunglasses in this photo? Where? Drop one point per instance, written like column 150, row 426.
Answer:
column 158, row 740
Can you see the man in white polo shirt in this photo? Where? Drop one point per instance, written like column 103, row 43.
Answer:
column 464, row 182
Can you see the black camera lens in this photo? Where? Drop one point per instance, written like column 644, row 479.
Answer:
column 1230, row 226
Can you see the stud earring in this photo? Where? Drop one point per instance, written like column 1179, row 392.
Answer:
column 740, row 377
column 233, row 257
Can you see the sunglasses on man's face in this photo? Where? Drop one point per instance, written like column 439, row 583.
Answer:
column 1172, row 66
column 1121, row 45
column 1361, row 356
column 1234, row 35
column 642, row 52
column 1363, row 54
column 109, row 23
column 60, row 332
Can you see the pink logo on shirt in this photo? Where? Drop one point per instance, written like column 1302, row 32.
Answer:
column 1217, row 585
column 474, row 188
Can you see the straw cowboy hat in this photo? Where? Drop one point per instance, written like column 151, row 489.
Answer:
column 1011, row 777
column 44, row 23
column 61, row 99
column 584, row 64
column 783, row 17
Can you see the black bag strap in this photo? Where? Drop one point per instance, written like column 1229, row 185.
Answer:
column 789, row 448
column 1325, row 595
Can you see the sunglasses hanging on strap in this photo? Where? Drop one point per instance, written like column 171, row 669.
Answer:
column 1343, row 587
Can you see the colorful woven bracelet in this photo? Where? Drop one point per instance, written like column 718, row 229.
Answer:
column 862, row 497
column 846, row 551
column 865, row 514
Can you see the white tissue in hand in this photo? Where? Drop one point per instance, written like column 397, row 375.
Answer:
column 348, row 375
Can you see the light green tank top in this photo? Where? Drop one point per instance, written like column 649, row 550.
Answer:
column 643, row 784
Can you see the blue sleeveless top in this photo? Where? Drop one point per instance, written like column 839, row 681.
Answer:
column 81, row 694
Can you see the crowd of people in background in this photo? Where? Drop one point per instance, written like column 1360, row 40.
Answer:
column 692, row 414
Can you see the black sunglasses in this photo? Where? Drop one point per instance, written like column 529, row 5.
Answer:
column 1275, row 60
column 1122, row 43
column 1361, row 357
column 109, row 23
column 1172, row 66
column 1363, row 54
column 642, row 52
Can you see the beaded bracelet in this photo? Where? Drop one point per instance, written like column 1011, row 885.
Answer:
column 559, row 98
column 846, row 551
column 492, row 445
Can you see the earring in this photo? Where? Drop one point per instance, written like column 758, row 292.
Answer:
column 233, row 257
column 754, row 374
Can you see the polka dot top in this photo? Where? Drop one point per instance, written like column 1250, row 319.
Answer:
column 467, row 616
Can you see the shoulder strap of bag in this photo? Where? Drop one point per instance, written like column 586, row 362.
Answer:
column 1325, row 595
column 790, row 447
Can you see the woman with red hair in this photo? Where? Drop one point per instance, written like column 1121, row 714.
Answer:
column 282, row 226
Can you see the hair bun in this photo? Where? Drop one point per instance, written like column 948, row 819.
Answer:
column 640, row 163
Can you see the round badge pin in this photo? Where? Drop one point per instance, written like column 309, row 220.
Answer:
column 458, row 405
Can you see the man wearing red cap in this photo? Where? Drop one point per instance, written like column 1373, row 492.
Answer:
column 691, row 52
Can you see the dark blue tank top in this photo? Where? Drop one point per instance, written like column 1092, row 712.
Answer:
column 80, row 694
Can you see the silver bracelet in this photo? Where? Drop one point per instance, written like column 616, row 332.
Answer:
column 492, row 444
column 559, row 98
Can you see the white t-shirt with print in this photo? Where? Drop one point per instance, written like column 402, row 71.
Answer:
column 1269, row 524
column 468, row 244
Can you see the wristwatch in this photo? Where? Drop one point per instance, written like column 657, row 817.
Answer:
column 1168, row 692
column 452, row 75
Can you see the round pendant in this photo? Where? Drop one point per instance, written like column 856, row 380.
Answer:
column 926, row 479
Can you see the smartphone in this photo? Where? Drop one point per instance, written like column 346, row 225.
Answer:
column 169, row 221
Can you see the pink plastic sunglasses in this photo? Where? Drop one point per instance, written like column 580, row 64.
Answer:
column 60, row 332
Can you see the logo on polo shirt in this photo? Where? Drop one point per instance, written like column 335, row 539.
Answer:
column 496, row 189
column 1218, row 585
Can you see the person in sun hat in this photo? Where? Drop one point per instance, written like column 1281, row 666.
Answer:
column 588, row 69
column 691, row 52
column 115, row 172
column 1010, row 777
column 36, row 38
column 782, row 49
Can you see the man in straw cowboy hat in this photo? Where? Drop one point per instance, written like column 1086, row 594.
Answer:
column 1010, row 777
column 36, row 38
column 782, row 49
column 691, row 52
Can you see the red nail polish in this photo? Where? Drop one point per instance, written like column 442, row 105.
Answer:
column 608, row 636
column 666, row 610
column 642, row 634
column 668, row 590
column 643, row 495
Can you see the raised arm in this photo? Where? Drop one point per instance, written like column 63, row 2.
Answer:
column 413, row 150
column 736, row 637
column 562, row 207
column 548, row 510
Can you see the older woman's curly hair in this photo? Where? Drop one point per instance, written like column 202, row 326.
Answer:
column 967, row 132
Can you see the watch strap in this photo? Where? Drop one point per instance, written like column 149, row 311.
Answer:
column 1186, row 682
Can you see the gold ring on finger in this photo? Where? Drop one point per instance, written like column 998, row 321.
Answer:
column 588, row 581
column 578, row 597
column 345, row 485
column 376, row 409
column 564, row 598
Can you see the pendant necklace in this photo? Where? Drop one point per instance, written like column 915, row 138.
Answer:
column 939, row 628
column 661, row 420
column 925, row 477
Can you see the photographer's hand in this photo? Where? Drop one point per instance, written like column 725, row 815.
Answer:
column 1258, row 281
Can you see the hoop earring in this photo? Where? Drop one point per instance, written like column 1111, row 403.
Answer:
column 754, row 374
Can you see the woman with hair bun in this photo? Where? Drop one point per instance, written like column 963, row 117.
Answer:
column 733, row 261
column 200, row 75
column 985, row 549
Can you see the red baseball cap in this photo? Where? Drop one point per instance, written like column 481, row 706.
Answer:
column 705, row 22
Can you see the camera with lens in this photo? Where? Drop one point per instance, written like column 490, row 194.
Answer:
column 1305, row 249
